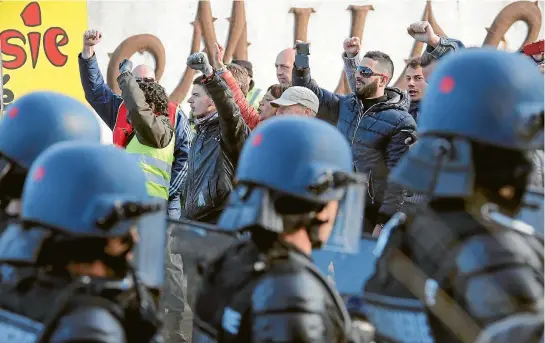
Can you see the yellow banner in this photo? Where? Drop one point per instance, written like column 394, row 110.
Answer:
column 40, row 42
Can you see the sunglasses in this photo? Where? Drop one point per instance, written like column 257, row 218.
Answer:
column 367, row 72
column 144, row 79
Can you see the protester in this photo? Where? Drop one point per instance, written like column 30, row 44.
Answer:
column 265, row 288
column 255, row 94
column 297, row 100
column 375, row 122
column 266, row 110
column 112, row 109
column 416, row 84
column 221, row 132
column 465, row 261
column 284, row 66
column 238, row 81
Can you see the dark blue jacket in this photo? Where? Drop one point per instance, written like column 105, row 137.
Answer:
column 106, row 103
column 377, row 136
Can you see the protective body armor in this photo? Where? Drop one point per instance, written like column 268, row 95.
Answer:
column 467, row 276
column 247, row 297
column 51, row 309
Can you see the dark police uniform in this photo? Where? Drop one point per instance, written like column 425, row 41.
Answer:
column 450, row 270
column 263, row 289
column 250, row 295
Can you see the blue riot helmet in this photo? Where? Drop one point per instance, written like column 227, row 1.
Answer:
column 32, row 124
column 82, row 194
column 291, row 167
column 481, row 116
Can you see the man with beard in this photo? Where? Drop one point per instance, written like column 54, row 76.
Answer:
column 376, row 123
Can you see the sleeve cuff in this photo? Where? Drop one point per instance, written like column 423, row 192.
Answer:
column 351, row 62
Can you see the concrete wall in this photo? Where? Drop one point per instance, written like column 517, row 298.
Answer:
column 270, row 28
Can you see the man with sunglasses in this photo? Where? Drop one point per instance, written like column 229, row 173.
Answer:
column 375, row 121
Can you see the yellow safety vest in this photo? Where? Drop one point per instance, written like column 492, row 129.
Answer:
column 254, row 97
column 156, row 164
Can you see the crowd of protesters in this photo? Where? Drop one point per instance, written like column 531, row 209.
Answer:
column 193, row 166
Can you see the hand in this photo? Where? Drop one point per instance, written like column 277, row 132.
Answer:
column 199, row 61
column 352, row 46
column 219, row 53
column 377, row 230
column 90, row 39
column 423, row 32
column 125, row 65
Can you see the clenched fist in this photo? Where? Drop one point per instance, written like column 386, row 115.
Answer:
column 352, row 46
column 199, row 61
column 91, row 37
column 423, row 32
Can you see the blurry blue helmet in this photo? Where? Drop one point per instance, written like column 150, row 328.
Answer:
column 290, row 167
column 476, row 97
column 32, row 124
column 86, row 189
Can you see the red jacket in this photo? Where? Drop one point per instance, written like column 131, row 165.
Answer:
column 123, row 130
column 248, row 112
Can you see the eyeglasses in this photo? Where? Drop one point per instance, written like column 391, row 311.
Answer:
column 367, row 72
column 144, row 79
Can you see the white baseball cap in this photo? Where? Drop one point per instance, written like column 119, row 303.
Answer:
column 298, row 96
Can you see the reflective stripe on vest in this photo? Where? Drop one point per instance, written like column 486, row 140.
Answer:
column 253, row 96
column 156, row 164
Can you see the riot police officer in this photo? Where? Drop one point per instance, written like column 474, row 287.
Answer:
column 450, row 270
column 31, row 124
column 296, row 191
column 82, row 204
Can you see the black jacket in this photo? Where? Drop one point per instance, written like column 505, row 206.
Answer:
column 377, row 136
column 213, row 155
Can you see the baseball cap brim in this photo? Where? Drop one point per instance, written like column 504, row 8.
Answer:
column 282, row 102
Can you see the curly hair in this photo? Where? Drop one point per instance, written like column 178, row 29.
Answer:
column 155, row 94
column 241, row 75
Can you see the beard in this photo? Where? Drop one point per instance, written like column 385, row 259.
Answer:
column 368, row 91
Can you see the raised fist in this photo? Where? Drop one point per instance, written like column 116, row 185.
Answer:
column 91, row 37
column 352, row 46
column 199, row 61
column 423, row 32
column 219, row 53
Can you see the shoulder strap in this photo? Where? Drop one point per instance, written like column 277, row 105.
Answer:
column 339, row 303
column 69, row 300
